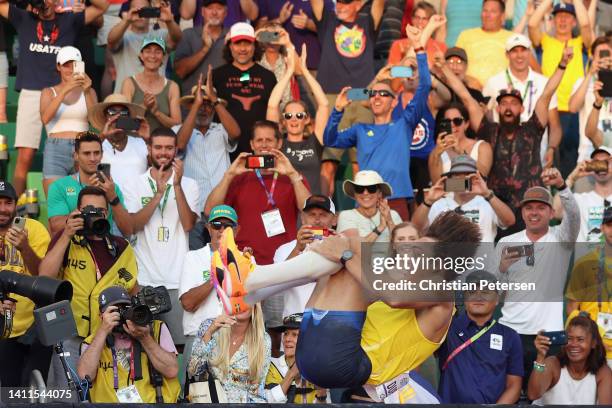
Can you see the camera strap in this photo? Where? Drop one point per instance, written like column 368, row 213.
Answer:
column 269, row 194
column 467, row 343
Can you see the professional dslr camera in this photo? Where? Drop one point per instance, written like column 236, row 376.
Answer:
column 147, row 304
column 95, row 221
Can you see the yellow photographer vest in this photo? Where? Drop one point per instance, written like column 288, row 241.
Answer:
column 103, row 387
column 80, row 270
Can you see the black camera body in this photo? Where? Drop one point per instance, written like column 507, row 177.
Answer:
column 145, row 306
column 95, row 221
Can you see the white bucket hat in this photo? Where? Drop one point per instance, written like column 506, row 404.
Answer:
column 366, row 178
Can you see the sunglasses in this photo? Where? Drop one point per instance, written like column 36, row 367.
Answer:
column 299, row 115
column 454, row 121
column 381, row 92
column 295, row 318
column 115, row 111
column 220, row 225
column 371, row 189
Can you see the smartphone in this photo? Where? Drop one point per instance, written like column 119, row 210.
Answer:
column 459, row 185
column 268, row 36
column 265, row 161
column 128, row 124
column 19, row 223
column 598, row 166
column 402, row 72
column 78, row 67
column 357, row 94
column 445, row 127
column 105, row 169
column 149, row 12
column 319, row 233
column 557, row 338
column 519, row 250
column 605, row 76
column 604, row 53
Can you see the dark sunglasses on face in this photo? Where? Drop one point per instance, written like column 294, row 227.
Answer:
column 114, row 111
column 219, row 225
column 455, row 121
column 381, row 92
column 361, row 189
column 299, row 115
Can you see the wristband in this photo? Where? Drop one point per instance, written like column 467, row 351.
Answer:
column 216, row 102
column 114, row 201
column 595, row 106
column 563, row 187
column 561, row 67
column 376, row 231
column 539, row 366
column 490, row 196
column 419, row 49
column 426, row 204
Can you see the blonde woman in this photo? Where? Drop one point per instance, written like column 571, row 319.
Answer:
column 237, row 351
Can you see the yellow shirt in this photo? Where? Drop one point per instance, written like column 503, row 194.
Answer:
column 38, row 239
column 552, row 51
column 583, row 288
column 486, row 52
column 393, row 341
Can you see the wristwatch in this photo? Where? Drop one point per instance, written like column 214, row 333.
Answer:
column 347, row 255
column 114, row 201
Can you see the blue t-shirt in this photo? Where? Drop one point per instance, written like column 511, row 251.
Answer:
column 386, row 148
column 477, row 375
column 423, row 139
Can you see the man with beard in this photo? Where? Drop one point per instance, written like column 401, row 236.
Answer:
column 125, row 39
column 21, row 250
column 516, row 145
column 162, row 204
column 206, row 144
column 245, row 85
column 63, row 193
column 41, row 33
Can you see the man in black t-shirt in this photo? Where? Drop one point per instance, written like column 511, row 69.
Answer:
column 41, row 32
column 245, row 85
column 347, row 58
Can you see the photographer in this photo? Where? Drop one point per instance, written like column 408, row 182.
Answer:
column 88, row 256
column 22, row 247
column 41, row 33
column 62, row 198
column 110, row 355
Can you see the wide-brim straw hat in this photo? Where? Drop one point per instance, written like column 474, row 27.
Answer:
column 187, row 100
column 97, row 114
column 366, row 178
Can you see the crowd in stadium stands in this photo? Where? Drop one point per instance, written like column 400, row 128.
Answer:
column 250, row 157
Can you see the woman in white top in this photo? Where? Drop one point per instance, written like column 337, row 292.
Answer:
column 578, row 375
column 448, row 146
column 63, row 110
column 373, row 217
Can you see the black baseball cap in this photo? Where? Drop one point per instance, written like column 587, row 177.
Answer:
column 293, row 321
column 509, row 92
column 113, row 295
column 320, row 201
column 7, row 190
column 206, row 3
column 456, row 52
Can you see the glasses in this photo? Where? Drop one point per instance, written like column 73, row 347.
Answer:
column 381, row 92
column 454, row 121
column 455, row 61
column 361, row 189
column 220, row 225
column 117, row 111
column 299, row 115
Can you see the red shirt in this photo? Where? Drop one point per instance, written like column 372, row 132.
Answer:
column 247, row 196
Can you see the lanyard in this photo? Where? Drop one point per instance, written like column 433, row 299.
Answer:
column 98, row 272
column 115, row 369
column 269, row 194
column 528, row 87
column 467, row 343
column 602, row 278
column 162, row 204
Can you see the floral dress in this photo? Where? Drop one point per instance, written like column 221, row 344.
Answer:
column 236, row 382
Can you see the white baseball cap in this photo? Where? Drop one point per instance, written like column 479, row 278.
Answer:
column 242, row 31
column 517, row 40
column 69, row 53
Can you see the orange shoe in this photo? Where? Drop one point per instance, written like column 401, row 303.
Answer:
column 230, row 268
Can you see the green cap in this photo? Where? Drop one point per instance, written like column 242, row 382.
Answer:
column 223, row 211
column 154, row 40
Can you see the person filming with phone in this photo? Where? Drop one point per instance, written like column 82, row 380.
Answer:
column 63, row 111
column 63, row 193
column 23, row 243
column 538, row 254
column 463, row 190
column 578, row 374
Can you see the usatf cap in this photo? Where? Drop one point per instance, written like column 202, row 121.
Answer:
column 114, row 295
